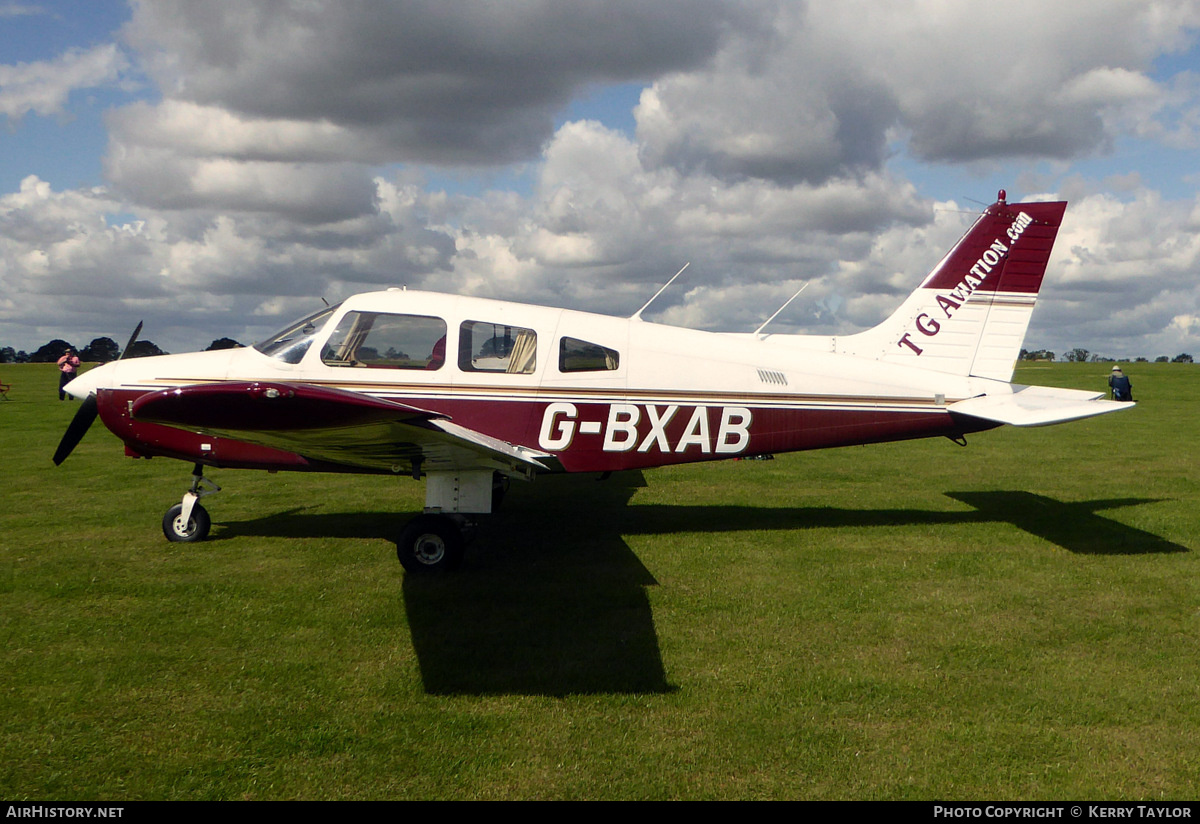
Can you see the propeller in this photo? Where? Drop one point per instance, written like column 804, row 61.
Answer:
column 136, row 331
column 86, row 414
column 76, row 429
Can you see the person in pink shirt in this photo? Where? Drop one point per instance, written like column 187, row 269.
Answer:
column 68, row 367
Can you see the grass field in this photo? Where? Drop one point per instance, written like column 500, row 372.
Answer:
column 1019, row 619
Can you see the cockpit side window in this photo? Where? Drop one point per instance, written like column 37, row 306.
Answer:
column 290, row 344
column 576, row 355
column 496, row 347
column 386, row 341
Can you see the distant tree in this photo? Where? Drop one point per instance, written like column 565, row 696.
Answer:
column 1183, row 358
column 1077, row 356
column 100, row 350
column 22, row 356
column 143, row 349
column 223, row 343
column 8, row 355
column 51, row 352
column 1162, row 359
column 1140, row 360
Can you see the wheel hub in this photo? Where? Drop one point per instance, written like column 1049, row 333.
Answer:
column 429, row 549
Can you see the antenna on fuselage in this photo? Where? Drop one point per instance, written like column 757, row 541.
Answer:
column 638, row 314
column 781, row 308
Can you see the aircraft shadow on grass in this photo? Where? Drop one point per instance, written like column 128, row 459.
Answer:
column 557, row 602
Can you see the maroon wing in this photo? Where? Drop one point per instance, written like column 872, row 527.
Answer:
column 332, row 425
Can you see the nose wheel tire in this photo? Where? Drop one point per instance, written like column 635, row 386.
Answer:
column 430, row 544
column 196, row 528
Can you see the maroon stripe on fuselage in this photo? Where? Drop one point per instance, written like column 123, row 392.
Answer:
column 600, row 439
column 771, row 430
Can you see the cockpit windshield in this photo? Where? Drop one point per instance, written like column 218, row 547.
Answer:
column 290, row 344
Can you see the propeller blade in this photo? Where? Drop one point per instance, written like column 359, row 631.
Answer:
column 136, row 331
column 88, row 410
column 76, row 429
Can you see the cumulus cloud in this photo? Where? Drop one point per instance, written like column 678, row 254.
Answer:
column 289, row 108
column 425, row 81
column 602, row 229
column 60, row 260
column 831, row 86
column 1125, row 270
column 72, row 264
column 307, row 192
column 194, row 130
column 43, row 87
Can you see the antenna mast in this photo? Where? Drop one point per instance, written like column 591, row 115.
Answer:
column 781, row 308
column 638, row 314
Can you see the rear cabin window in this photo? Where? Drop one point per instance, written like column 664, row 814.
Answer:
column 496, row 347
column 385, row 341
column 576, row 355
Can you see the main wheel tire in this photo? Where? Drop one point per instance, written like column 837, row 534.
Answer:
column 430, row 543
column 196, row 529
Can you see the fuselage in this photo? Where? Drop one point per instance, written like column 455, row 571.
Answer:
column 592, row 392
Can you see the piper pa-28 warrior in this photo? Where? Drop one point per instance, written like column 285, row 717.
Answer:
column 469, row 393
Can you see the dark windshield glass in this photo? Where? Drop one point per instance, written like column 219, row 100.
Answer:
column 290, row 344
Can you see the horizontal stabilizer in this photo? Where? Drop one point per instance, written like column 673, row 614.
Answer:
column 1037, row 406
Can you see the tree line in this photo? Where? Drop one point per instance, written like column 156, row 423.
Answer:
column 103, row 350
column 100, row 350
column 1084, row 356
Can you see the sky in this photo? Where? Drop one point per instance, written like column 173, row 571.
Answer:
column 218, row 169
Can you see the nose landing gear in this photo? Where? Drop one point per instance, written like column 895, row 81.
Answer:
column 188, row 521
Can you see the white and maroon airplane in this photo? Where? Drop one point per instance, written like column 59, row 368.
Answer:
column 469, row 392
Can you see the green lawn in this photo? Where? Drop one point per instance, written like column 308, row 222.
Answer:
column 1019, row 619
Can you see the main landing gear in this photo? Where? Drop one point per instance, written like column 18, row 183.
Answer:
column 434, row 542
column 188, row 521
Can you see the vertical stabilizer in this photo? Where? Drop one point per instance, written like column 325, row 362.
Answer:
column 970, row 315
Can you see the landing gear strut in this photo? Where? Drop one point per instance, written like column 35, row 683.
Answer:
column 436, row 540
column 188, row 521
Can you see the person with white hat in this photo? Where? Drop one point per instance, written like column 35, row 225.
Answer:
column 1118, row 382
